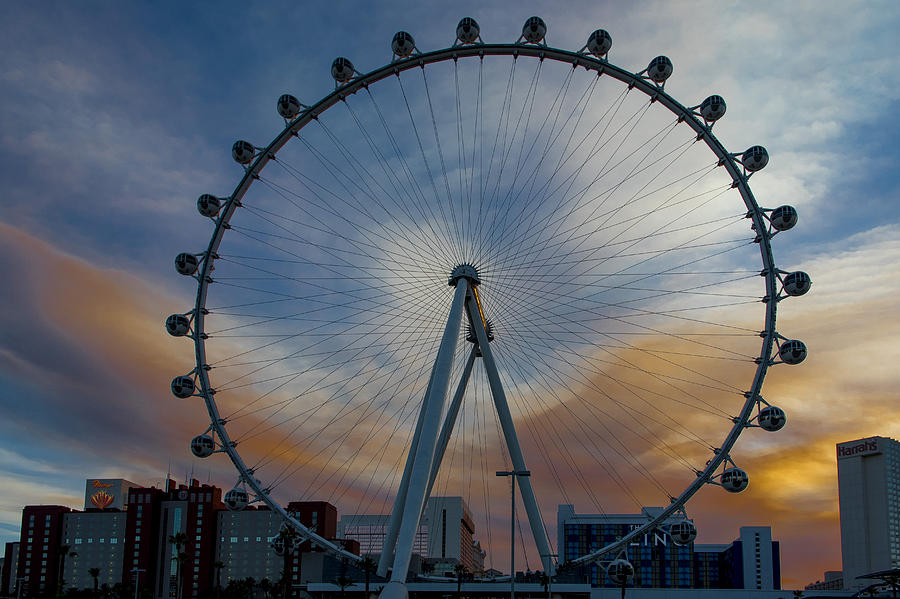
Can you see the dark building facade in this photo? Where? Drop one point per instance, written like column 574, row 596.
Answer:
column 189, row 510
column 41, row 556
column 141, row 554
column 8, row 572
column 750, row 562
column 151, row 535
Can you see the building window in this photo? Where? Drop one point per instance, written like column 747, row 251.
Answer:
column 78, row 541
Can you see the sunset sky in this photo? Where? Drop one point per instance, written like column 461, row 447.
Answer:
column 114, row 118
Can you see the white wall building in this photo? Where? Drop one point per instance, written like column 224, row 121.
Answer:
column 445, row 534
column 869, row 491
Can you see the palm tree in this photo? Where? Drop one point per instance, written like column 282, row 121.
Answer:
column 427, row 567
column 460, row 570
column 343, row 581
column 545, row 582
column 64, row 551
column 179, row 539
column 218, row 565
column 286, row 536
column 368, row 566
column 95, row 574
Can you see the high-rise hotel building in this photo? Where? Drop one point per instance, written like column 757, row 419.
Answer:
column 869, row 491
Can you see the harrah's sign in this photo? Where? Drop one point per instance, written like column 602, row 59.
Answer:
column 858, row 448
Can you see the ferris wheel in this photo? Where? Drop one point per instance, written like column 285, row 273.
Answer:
column 492, row 256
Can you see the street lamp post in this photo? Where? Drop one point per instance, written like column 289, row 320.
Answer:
column 19, row 582
column 512, row 537
column 137, row 572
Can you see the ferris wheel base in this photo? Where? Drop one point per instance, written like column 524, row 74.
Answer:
column 394, row 590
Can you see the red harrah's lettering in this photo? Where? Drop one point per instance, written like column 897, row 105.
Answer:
column 864, row 447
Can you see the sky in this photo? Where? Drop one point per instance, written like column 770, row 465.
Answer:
column 113, row 119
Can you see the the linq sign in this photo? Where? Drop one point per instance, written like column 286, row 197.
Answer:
column 858, row 448
column 655, row 538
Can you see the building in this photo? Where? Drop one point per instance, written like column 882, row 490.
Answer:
column 42, row 558
column 750, row 562
column 369, row 531
column 152, row 535
column 869, row 493
column 445, row 537
column 185, row 538
column 244, row 544
column 141, row 555
column 8, row 572
column 657, row 561
column 96, row 536
column 834, row 581
column 451, row 533
column 106, row 493
column 97, row 540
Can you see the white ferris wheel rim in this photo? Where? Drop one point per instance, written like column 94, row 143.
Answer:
column 601, row 66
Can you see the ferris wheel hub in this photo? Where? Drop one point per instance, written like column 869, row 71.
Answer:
column 464, row 271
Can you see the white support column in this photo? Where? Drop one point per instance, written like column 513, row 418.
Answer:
column 450, row 420
column 509, row 434
column 390, row 538
column 424, row 455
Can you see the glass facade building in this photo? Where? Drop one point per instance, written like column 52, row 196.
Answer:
column 750, row 562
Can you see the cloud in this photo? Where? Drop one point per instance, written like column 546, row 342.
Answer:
column 87, row 365
column 113, row 124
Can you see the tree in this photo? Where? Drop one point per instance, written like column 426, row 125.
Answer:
column 179, row 539
column 427, row 567
column 64, row 552
column 368, row 566
column 266, row 586
column 286, row 537
column 343, row 581
column 95, row 574
column 545, row 583
column 218, row 565
column 461, row 572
